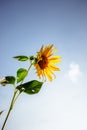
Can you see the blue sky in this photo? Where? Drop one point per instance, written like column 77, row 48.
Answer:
column 26, row 25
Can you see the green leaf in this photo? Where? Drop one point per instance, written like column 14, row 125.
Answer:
column 7, row 80
column 21, row 74
column 21, row 58
column 31, row 87
column 10, row 79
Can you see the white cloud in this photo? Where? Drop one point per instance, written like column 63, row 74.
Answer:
column 74, row 72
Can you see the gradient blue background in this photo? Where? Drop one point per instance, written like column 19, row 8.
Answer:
column 26, row 25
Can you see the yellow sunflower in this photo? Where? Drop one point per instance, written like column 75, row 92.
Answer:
column 45, row 63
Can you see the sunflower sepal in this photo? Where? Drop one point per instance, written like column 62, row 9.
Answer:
column 31, row 87
column 33, row 60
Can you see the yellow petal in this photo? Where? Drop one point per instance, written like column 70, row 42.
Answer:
column 54, row 68
column 46, row 72
column 54, row 57
column 55, row 50
column 48, row 50
column 51, row 72
column 52, row 61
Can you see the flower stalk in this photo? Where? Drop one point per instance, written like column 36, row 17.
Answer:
column 10, row 108
column 15, row 96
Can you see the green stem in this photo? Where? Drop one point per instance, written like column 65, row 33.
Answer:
column 30, row 67
column 13, row 101
column 10, row 108
column 16, row 98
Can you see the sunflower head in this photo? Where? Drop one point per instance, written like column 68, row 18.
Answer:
column 45, row 63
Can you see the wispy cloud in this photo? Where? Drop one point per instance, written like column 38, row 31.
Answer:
column 74, row 72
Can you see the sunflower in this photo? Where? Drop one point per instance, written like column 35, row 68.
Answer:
column 45, row 63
